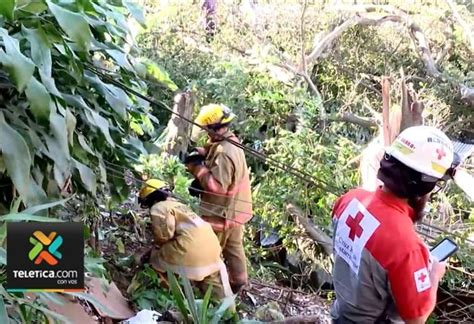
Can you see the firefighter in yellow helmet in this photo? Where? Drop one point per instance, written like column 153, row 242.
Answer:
column 223, row 181
column 184, row 243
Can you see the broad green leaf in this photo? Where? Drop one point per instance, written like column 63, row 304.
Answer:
column 40, row 49
column 116, row 97
column 50, row 84
column 102, row 123
column 22, row 217
column 58, row 149
column 33, row 6
column 88, row 177
column 74, row 24
column 121, row 59
column 18, row 66
column 35, row 209
column 71, row 123
column 136, row 12
column 59, row 129
column 39, row 99
column 17, row 159
column 6, row 10
column 84, row 145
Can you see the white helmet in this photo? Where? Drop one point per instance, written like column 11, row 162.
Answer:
column 425, row 149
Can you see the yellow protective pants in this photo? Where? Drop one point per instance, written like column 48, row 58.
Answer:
column 231, row 241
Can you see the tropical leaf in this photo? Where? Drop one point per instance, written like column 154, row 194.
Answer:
column 17, row 159
column 18, row 65
column 39, row 99
column 88, row 177
column 33, row 210
column 136, row 12
column 40, row 49
column 22, row 217
column 74, row 24
column 121, row 59
column 102, row 123
column 6, row 10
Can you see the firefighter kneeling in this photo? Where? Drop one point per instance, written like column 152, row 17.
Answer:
column 184, row 243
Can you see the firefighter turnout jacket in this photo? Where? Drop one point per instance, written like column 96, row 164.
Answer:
column 184, row 243
column 226, row 183
column 381, row 270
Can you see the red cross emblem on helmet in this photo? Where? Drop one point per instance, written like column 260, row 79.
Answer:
column 441, row 153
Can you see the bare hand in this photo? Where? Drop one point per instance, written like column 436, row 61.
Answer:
column 438, row 270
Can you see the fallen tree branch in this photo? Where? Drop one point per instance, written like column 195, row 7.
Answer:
column 394, row 15
column 353, row 119
column 317, row 235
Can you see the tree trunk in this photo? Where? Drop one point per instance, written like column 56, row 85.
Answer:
column 178, row 130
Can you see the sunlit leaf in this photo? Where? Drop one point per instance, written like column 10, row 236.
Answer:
column 136, row 12
column 39, row 99
column 40, row 49
column 18, row 65
column 74, row 24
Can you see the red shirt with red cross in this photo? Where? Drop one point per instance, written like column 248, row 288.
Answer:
column 381, row 265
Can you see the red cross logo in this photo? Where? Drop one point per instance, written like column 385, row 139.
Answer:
column 422, row 277
column 441, row 153
column 354, row 225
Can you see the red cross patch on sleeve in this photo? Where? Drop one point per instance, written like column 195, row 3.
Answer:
column 422, row 280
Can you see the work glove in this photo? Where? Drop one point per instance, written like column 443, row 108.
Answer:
column 194, row 158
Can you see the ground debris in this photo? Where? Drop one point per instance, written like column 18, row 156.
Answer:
column 291, row 302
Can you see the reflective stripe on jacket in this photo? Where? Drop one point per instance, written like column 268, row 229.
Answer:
column 185, row 241
column 227, row 185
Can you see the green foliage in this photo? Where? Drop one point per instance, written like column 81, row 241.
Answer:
column 58, row 119
column 170, row 169
column 146, row 291
column 200, row 311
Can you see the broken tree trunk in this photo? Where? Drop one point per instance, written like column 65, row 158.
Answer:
column 411, row 107
column 177, row 131
column 321, row 238
column 394, row 122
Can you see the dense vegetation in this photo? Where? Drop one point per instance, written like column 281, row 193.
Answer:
column 75, row 131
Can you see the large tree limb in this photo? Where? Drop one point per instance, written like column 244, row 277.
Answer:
column 321, row 238
column 353, row 119
column 394, row 15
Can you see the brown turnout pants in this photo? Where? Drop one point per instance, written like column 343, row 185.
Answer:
column 231, row 240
